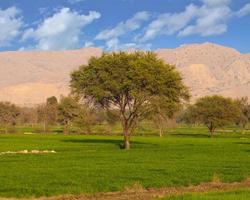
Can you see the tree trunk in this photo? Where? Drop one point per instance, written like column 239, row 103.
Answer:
column 66, row 129
column 160, row 131
column 244, row 125
column 44, row 126
column 126, row 139
column 212, row 133
column 211, row 129
column 244, row 128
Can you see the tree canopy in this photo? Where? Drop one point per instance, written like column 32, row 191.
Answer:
column 213, row 111
column 52, row 109
column 68, row 111
column 8, row 114
column 162, row 113
column 129, row 82
column 244, row 117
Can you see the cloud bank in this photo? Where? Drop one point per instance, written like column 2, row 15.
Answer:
column 65, row 28
column 11, row 24
column 60, row 31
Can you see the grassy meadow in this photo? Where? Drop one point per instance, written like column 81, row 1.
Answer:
column 96, row 163
column 242, row 194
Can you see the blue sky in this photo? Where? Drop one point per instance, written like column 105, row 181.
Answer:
column 122, row 24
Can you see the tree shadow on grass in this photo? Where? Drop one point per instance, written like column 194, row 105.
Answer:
column 191, row 135
column 244, row 143
column 118, row 143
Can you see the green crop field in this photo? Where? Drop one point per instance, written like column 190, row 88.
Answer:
column 232, row 195
column 91, row 164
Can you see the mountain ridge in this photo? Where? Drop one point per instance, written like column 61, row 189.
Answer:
column 29, row 77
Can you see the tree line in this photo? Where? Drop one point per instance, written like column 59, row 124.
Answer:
column 129, row 88
column 67, row 112
column 212, row 111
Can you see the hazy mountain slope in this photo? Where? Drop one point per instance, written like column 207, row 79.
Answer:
column 31, row 77
column 211, row 69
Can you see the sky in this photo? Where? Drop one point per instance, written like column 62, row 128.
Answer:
column 122, row 24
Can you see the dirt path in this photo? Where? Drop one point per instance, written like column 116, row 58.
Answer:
column 139, row 193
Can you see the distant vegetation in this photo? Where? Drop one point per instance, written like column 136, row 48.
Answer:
column 123, row 92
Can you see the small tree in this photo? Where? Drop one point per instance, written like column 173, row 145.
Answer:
column 86, row 118
column 68, row 111
column 213, row 111
column 42, row 115
column 128, row 82
column 28, row 115
column 52, row 110
column 8, row 114
column 47, row 112
column 244, row 117
column 162, row 113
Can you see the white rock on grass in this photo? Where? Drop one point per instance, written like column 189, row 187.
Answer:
column 28, row 152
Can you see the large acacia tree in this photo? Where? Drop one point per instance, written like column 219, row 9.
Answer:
column 129, row 82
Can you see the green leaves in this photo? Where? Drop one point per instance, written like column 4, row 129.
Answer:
column 129, row 82
column 8, row 113
column 108, row 78
column 213, row 111
column 68, row 110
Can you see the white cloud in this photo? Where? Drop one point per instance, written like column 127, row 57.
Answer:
column 88, row 44
column 111, row 36
column 123, row 28
column 245, row 10
column 60, row 31
column 43, row 10
column 10, row 23
column 216, row 3
column 208, row 19
column 169, row 24
column 114, row 45
column 75, row 1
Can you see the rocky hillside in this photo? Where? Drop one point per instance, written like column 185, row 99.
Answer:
column 28, row 78
column 211, row 69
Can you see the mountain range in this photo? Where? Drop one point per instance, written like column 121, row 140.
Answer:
column 28, row 78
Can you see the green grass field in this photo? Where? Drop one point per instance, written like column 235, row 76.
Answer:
column 243, row 194
column 145, row 128
column 90, row 164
